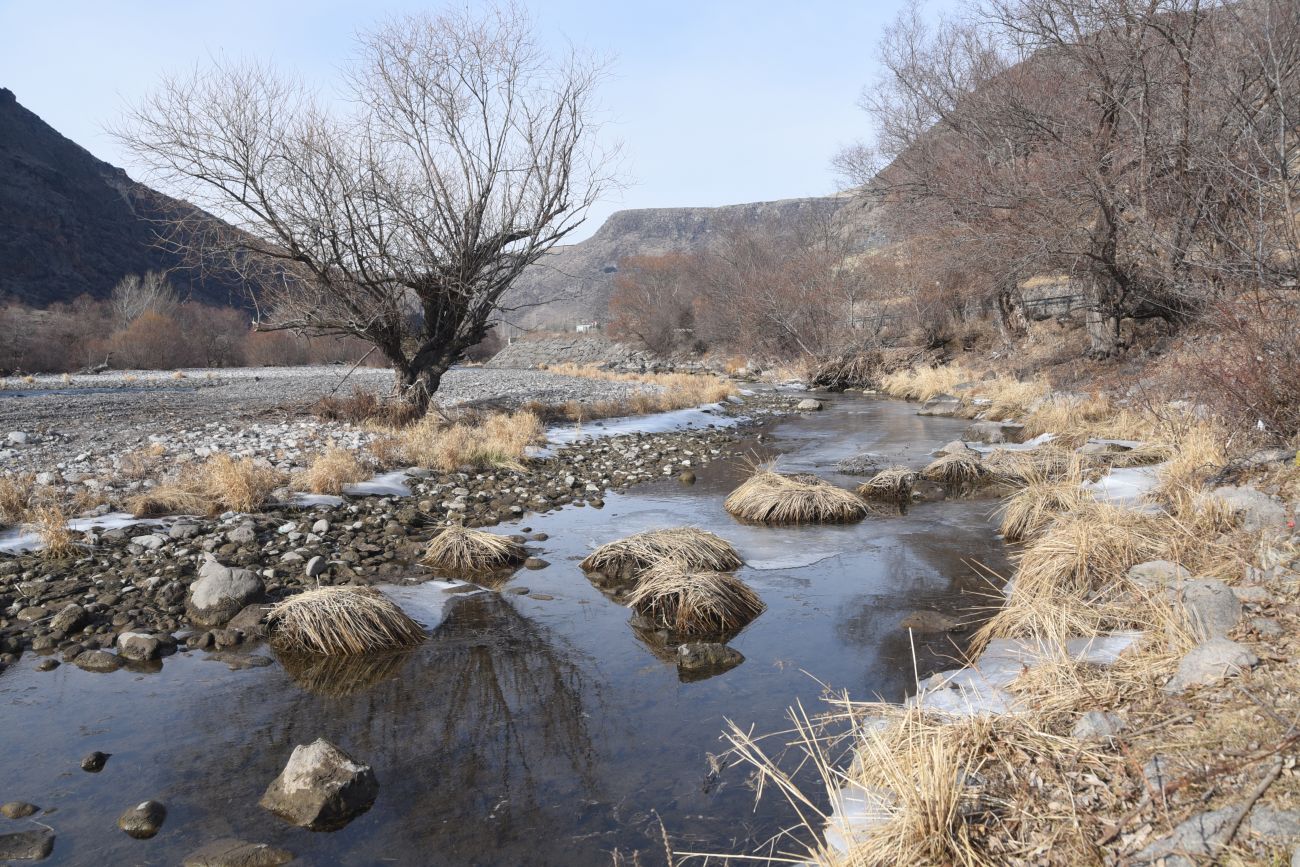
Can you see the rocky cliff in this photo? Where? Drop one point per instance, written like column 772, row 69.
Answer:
column 71, row 224
column 574, row 282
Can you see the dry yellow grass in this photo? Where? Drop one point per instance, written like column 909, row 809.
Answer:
column 891, row 485
column 219, row 484
column 693, row 603
column 958, row 470
column 49, row 522
column 923, row 383
column 665, row 392
column 498, row 441
column 770, row 497
column 333, row 470
column 464, row 553
column 341, row 621
column 17, row 493
column 1043, row 497
column 689, row 546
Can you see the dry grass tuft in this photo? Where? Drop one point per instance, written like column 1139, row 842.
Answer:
column 341, row 621
column 1019, row 466
column 463, row 552
column 1028, row 511
column 219, row 484
column 49, row 522
column 17, row 493
column 694, row 603
column 770, row 497
column 892, row 485
column 333, row 470
column 498, row 441
column 691, row 547
column 958, row 471
column 1010, row 398
column 923, row 383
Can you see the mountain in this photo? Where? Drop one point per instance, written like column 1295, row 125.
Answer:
column 71, row 224
column 576, row 280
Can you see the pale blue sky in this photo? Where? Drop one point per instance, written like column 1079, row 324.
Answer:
column 714, row 102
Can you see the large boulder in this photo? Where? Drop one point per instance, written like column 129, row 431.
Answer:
column 220, row 593
column 70, row 619
column 1210, row 662
column 943, row 404
column 139, row 646
column 322, row 788
column 985, row 432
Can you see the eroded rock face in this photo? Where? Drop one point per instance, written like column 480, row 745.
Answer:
column 220, row 593
column 322, row 788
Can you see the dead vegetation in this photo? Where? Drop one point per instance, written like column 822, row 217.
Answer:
column 17, row 493
column 333, row 470
column 49, row 522
column 219, row 484
column 892, row 485
column 341, row 621
column 463, row 552
column 769, row 497
column 958, row 471
column 693, row 548
column 693, row 603
column 494, row 441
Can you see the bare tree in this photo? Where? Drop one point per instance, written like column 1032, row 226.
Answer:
column 134, row 295
column 457, row 154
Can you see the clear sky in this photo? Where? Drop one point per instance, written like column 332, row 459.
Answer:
column 715, row 103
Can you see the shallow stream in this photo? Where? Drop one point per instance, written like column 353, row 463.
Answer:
column 530, row 729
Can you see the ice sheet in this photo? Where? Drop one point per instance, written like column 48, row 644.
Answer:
column 659, row 422
column 15, row 541
column 1125, row 486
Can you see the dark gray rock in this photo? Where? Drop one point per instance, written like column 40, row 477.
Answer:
column 229, row 852
column 100, row 661
column 69, row 620
column 699, row 656
column 321, row 788
column 863, row 464
column 931, row 621
column 27, row 845
column 220, row 593
column 144, row 820
column 985, row 432
column 94, row 762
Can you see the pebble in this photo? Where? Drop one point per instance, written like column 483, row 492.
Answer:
column 94, row 762
column 17, row 810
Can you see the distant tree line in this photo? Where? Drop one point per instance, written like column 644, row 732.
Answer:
column 144, row 324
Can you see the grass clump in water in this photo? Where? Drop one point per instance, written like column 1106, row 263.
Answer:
column 892, row 485
column 957, row 471
column 691, row 603
column 463, row 552
column 770, row 497
column 341, row 621
column 689, row 546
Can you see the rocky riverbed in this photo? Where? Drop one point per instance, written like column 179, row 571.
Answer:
column 135, row 578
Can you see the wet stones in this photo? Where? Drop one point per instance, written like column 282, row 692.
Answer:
column 808, row 404
column 229, row 852
column 70, row 619
column 931, row 621
column 139, row 646
column 94, row 762
column 17, row 810
column 99, row 661
column 144, row 820
column 699, row 657
column 322, row 788
column 27, row 845
column 220, row 593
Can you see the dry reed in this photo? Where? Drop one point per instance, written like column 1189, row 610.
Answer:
column 498, row 441
column 892, row 485
column 219, row 484
column 333, row 470
column 959, row 471
column 50, row 524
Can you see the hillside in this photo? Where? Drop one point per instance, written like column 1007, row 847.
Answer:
column 71, row 224
column 575, row 281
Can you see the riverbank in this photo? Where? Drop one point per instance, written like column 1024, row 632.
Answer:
column 1133, row 699
column 538, row 723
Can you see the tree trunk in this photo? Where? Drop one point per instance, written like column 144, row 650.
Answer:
column 1103, row 318
column 417, row 385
